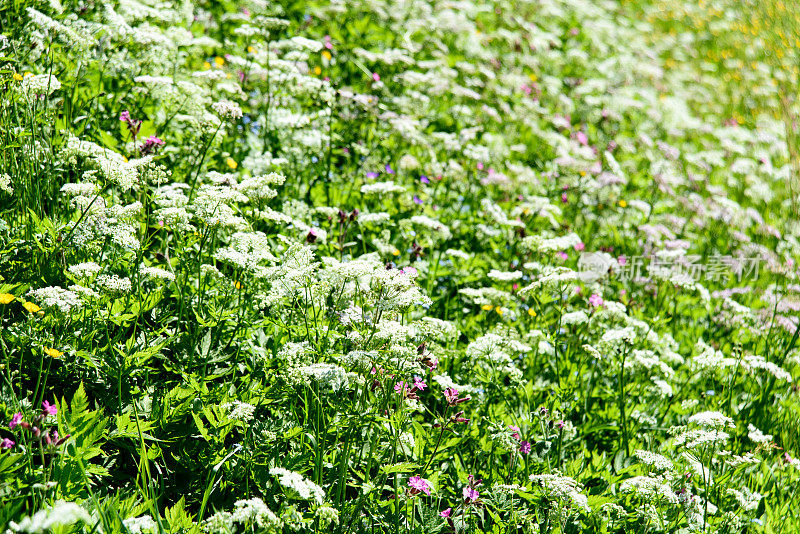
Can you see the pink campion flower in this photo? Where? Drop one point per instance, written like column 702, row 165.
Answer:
column 514, row 431
column 470, row 494
column 563, row 255
column 49, row 409
column 151, row 144
column 480, row 166
column 596, row 300
column 376, row 77
column 622, row 260
column 525, row 447
column 6, row 443
column 581, row 137
column 400, row 387
column 419, row 383
column 579, row 247
column 133, row 125
column 15, row 420
column 451, row 394
column 560, row 424
column 446, row 513
column 419, row 484
column 409, row 271
column 564, row 198
column 459, row 417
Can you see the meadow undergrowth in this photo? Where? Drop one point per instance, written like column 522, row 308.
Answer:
column 424, row 267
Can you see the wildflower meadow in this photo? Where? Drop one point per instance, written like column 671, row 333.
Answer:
column 418, row 266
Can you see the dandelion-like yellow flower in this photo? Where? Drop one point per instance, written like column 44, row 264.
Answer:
column 218, row 61
column 487, row 307
column 326, row 55
column 499, row 310
column 622, row 203
column 531, row 312
column 206, row 65
column 317, row 71
column 53, row 353
column 230, row 162
column 31, row 307
column 6, row 298
column 395, row 252
column 18, row 77
column 251, row 49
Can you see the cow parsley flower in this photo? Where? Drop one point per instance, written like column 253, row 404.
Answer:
column 298, row 485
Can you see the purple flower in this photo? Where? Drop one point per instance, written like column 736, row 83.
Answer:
column 151, row 144
column 419, row 383
column 15, row 420
column 446, row 513
column 425, row 180
column 133, row 125
column 470, row 494
column 372, row 174
column 389, row 169
column 49, row 409
column 418, row 200
column 6, row 443
column 419, row 484
column 525, row 447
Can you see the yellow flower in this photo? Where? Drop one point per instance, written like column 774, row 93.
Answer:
column 532, row 77
column 5, row 298
column 317, row 71
column 582, row 173
column 206, row 65
column 531, row 312
column 326, row 55
column 622, row 203
column 219, row 61
column 395, row 252
column 487, row 307
column 53, row 353
column 230, row 162
column 251, row 49
column 18, row 77
column 499, row 310
column 31, row 307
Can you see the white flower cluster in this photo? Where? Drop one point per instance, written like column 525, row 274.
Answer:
column 298, row 485
column 137, row 525
column 562, row 488
column 40, row 84
column 247, row 514
column 227, row 109
column 60, row 514
column 56, row 297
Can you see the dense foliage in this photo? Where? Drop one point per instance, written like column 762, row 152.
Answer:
column 424, row 266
